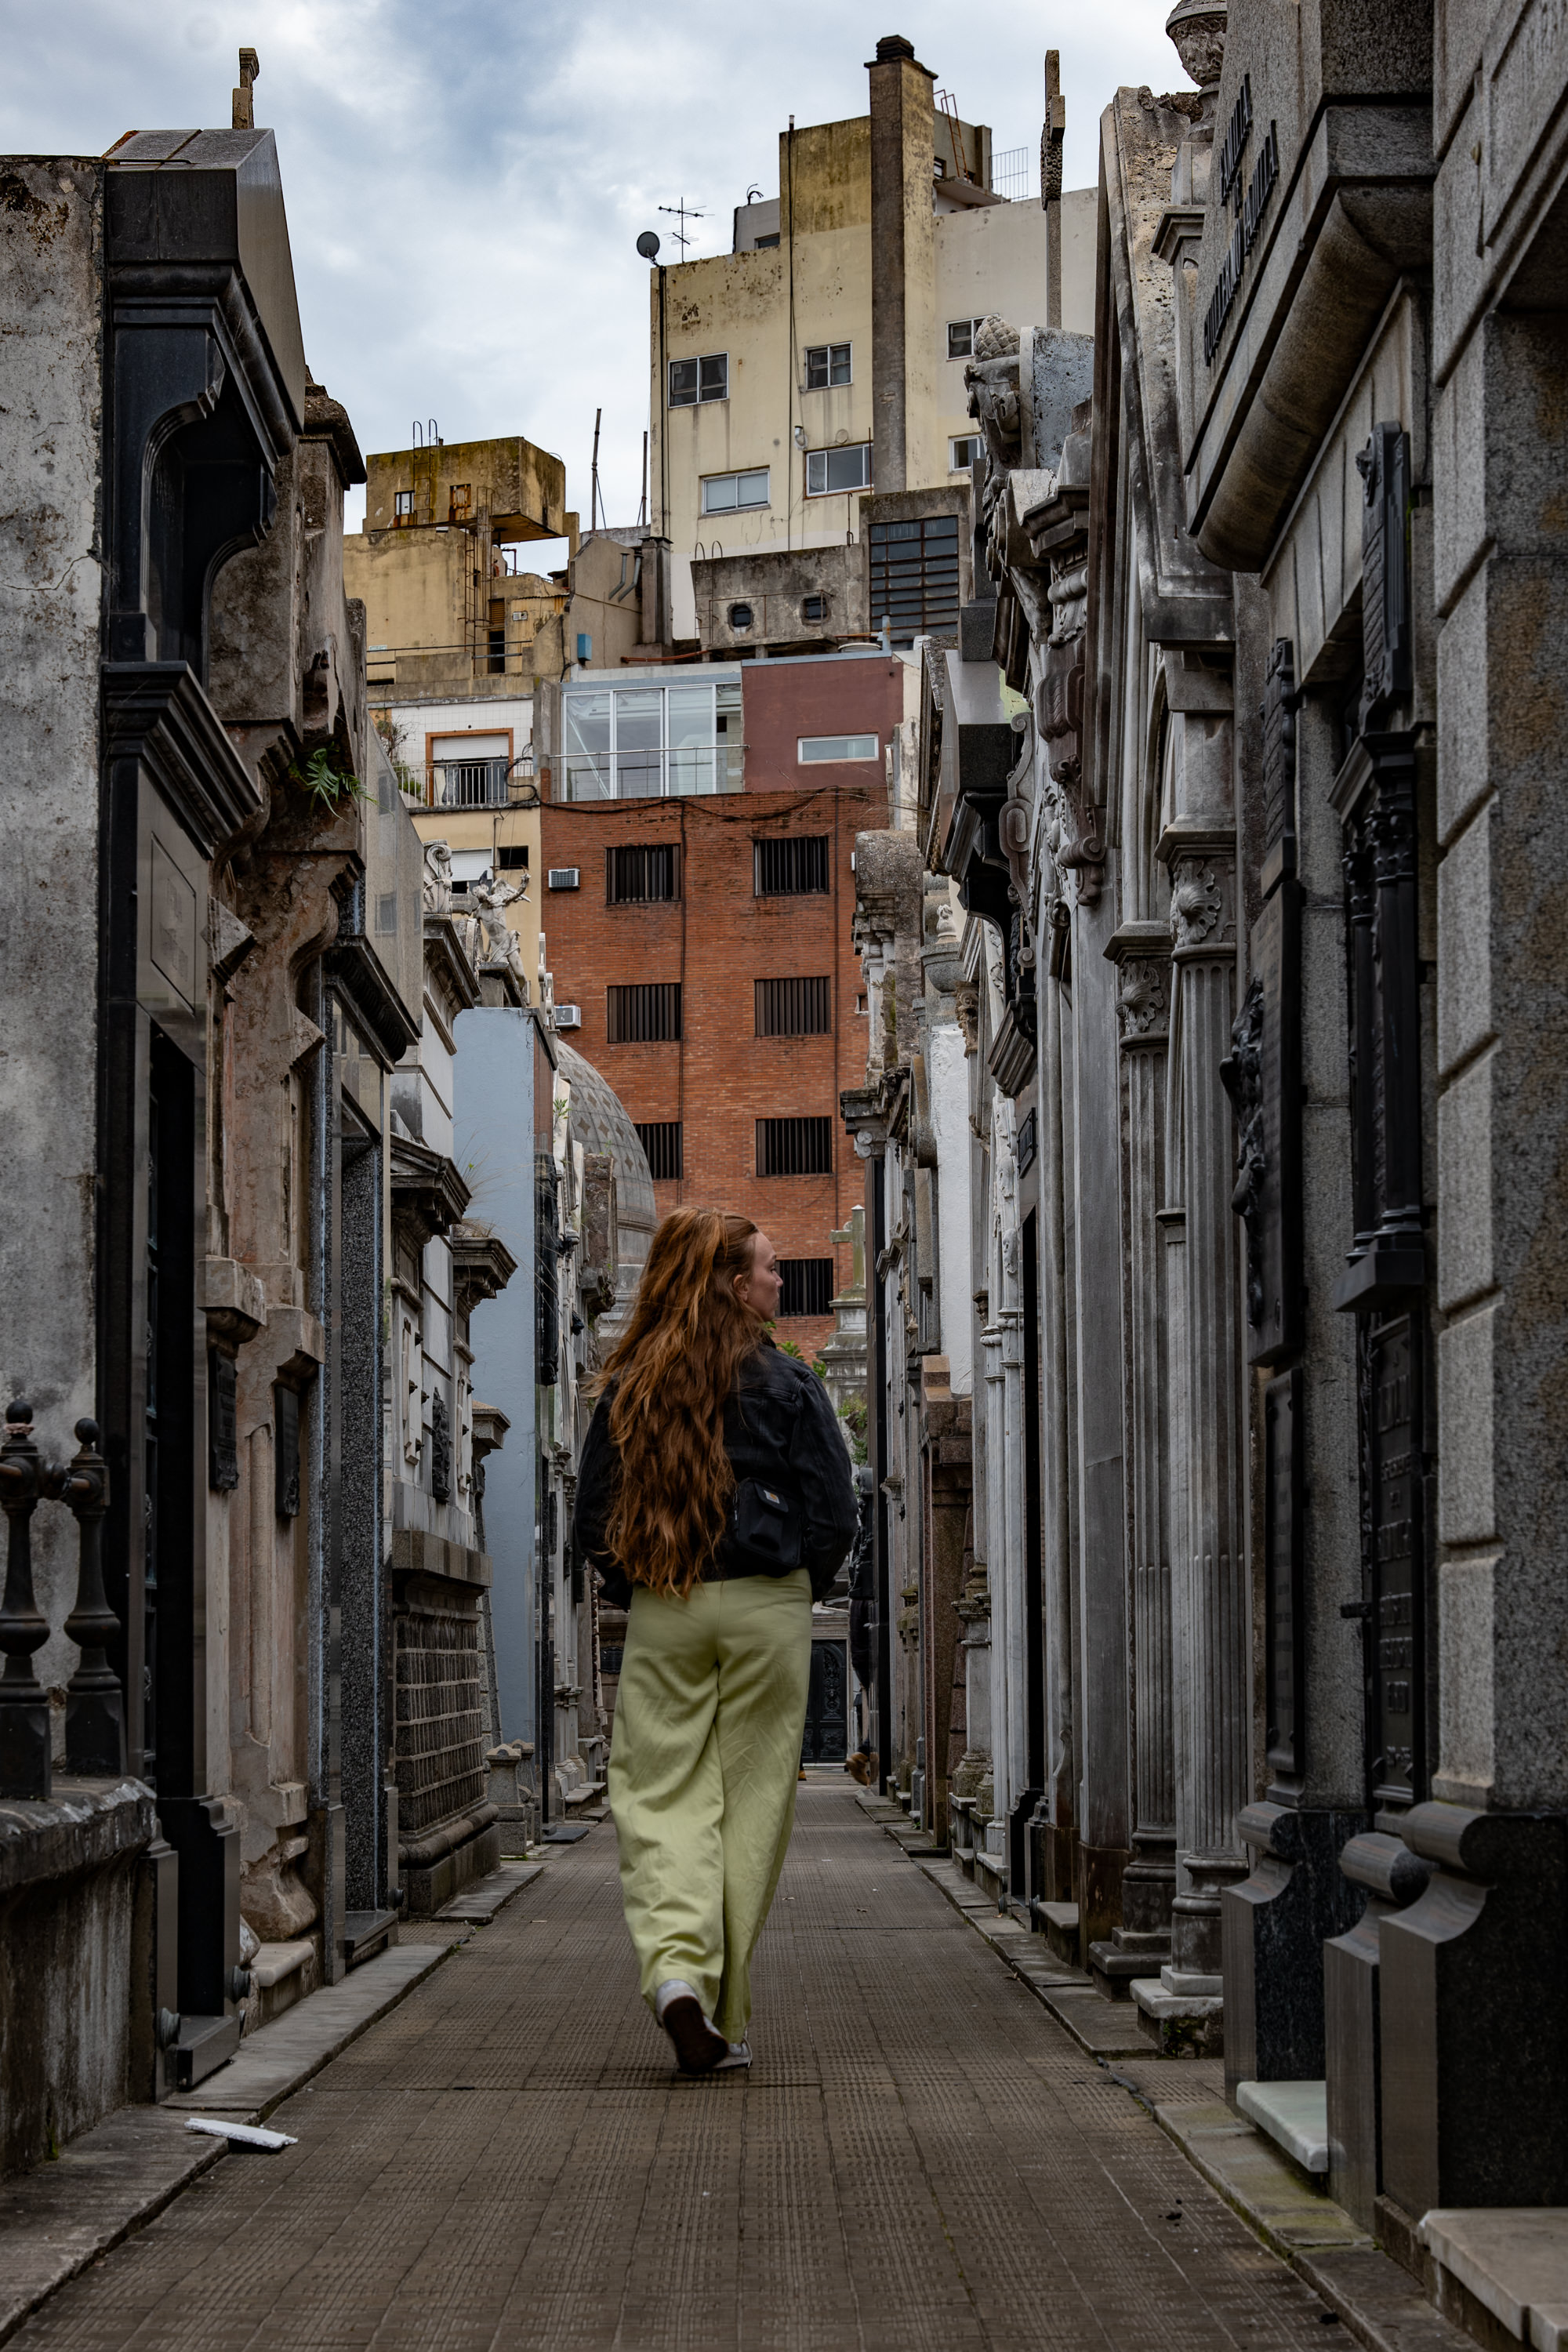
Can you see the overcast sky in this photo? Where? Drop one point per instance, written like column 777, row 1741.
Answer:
column 465, row 179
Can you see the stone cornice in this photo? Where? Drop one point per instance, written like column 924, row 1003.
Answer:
column 158, row 713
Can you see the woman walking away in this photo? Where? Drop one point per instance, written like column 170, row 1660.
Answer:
column 715, row 1498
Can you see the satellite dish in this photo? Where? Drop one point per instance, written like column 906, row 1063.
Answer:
column 647, row 244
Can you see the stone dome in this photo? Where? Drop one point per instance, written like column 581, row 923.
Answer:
column 599, row 1123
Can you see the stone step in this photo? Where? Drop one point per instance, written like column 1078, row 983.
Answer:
column 477, row 1904
column 1294, row 2114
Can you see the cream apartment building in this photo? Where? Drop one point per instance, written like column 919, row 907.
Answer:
column 824, row 356
column 458, row 634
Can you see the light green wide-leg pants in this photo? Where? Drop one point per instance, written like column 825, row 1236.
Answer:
column 704, row 1761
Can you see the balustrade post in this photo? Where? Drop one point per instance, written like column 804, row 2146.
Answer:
column 24, row 1738
column 95, row 1704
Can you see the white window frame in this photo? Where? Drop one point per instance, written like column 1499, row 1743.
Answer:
column 667, row 769
column 844, row 490
column 700, row 396
column 821, row 751
column 737, row 505
column 403, row 504
column 830, row 382
column 957, row 441
column 974, row 325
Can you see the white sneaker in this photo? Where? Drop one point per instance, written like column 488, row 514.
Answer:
column 737, row 2054
column 699, row 2048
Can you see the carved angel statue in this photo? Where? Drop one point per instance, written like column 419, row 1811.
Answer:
column 437, row 882
column 498, row 940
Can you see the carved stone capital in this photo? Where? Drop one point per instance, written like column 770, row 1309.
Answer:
column 1203, row 904
column 1142, row 1001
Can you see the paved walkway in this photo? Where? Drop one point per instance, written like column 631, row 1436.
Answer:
column 919, row 2157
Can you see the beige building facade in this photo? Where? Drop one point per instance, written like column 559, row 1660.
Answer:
column 825, row 355
column 458, row 634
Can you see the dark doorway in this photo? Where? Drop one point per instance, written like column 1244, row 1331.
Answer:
column 826, row 1739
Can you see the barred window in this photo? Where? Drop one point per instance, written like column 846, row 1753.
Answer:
column 794, row 1008
column 791, row 868
column 638, row 872
column 794, row 1147
column 643, row 1014
column 660, row 1139
column 914, row 574
column 807, row 1285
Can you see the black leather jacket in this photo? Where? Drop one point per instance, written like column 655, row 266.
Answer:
column 780, row 1428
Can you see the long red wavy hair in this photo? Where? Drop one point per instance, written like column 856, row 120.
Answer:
column 672, row 1371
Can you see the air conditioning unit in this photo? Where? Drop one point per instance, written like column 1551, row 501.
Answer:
column 564, row 877
column 568, row 1016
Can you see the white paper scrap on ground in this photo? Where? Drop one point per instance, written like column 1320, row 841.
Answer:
column 246, row 2135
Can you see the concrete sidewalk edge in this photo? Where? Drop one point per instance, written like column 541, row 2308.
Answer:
column 1371, row 2295
column 99, row 2190
column 110, row 2181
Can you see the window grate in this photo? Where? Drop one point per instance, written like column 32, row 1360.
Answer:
column 807, row 1285
column 794, row 1147
column 643, row 1015
column 791, row 868
column 637, row 872
column 915, row 575
column 794, row 1008
column 660, row 1141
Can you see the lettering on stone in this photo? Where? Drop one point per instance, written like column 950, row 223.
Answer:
column 1232, row 146
column 286, row 1451
column 222, row 1448
column 1396, row 1565
column 1259, row 188
column 1384, row 469
column 1226, row 287
column 1262, row 1075
column 1278, row 712
column 1285, row 1656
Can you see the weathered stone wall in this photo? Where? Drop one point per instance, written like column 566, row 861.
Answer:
column 51, row 304
column 68, row 1874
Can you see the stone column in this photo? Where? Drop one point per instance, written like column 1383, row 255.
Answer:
column 997, row 1585
column 1097, row 1433
column 1211, row 1599
column 1058, row 1809
column 1142, row 951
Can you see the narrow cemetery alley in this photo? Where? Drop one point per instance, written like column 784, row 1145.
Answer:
column 922, row 2155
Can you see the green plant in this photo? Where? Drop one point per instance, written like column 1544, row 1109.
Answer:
column 327, row 784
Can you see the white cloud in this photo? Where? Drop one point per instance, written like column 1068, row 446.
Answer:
column 465, row 179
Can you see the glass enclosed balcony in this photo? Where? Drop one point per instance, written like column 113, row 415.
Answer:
column 651, row 742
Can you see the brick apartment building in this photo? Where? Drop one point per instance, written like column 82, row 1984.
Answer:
column 698, row 832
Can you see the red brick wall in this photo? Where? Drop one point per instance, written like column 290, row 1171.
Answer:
column 783, row 700
column 716, row 940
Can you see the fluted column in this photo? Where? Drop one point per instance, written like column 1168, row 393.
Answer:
column 997, row 1582
column 1210, row 1610
column 1144, row 1006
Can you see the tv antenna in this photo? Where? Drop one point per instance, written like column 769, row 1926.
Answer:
column 595, row 507
column 683, row 212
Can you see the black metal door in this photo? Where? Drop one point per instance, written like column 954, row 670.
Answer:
column 826, row 1739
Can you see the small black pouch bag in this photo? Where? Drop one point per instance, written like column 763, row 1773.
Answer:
column 765, row 1531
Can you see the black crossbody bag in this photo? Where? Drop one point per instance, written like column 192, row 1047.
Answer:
column 765, row 1529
